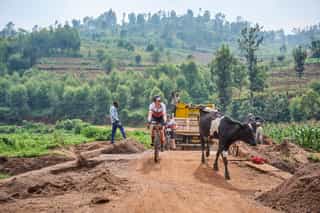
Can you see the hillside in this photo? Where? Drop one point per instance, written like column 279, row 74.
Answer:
column 286, row 79
column 279, row 80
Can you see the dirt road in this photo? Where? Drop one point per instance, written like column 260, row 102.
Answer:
column 179, row 183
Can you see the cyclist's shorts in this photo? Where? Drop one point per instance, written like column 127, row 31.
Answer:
column 158, row 119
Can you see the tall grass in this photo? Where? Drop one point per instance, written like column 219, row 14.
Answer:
column 306, row 135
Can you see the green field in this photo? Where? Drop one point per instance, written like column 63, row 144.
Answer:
column 35, row 139
column 306, row 135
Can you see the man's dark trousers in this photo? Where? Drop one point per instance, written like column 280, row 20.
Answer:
column 116, row 125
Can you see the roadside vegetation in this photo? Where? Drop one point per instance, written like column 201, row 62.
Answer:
column 306, row 135
column 34, row 139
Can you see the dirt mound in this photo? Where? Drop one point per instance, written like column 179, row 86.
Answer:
column 125, row 147
column 14, row 166
column 297, row 194
column 92, row 146
column 77, row 179
column 286, row 156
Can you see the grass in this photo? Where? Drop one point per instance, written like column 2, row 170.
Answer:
column 34, row 139
column 27, row 144
column 141, row 136
column 314, row 158
column 4, row 176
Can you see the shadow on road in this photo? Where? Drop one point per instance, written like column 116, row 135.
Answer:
column 205, row 174
column 149, row 165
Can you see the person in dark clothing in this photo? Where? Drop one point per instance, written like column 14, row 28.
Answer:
column 115, row 121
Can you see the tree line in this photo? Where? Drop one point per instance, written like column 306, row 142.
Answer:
column 21, row 50
column 48, row 97
column 202, row 30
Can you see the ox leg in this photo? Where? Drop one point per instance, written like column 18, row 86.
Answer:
column 215, row 164
column 202, row 149
column 208, row 147
column 225, row 162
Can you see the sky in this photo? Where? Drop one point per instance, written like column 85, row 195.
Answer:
column 272, row 14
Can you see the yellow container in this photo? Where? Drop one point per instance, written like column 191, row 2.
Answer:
column 188, row 110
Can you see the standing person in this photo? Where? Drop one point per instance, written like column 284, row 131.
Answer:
column 115, row 121
column 175, row 98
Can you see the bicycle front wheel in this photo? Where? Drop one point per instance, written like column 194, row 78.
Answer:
column 156, row 147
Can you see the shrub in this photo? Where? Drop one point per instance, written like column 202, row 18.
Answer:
column 7, row 129
column 71, row 125
column 96, row 133
column 36, row 127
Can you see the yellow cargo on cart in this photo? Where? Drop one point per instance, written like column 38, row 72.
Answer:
column 187, row 119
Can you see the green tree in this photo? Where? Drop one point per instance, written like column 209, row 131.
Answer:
column 101, row 55
column 108, row 64
column 4, row 90
column 295, row 109
column 315, row 86
column 138, row 59
column 156, row 91
column 299, row 56
column 17, row 62
column 221, row 69
column 239, row 76
column 310, row 105
column 185, row 97
column 249, row 42
column 18, row 102
column 102, row 101
column 150, row 48
column 155, row 56
column 123, row 96
column 315, row 48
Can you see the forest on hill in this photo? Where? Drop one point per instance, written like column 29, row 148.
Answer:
column 242, row 56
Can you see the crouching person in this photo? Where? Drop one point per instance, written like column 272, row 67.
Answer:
column 170, row 128
column 259, row 133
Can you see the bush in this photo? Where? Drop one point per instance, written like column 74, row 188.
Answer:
column 36, row 127
column 96, row 133
column 75, row 125
column 150, row 48
column 142, row 137
column 137, row 117
column 7, row 129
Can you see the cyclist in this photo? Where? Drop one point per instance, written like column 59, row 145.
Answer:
column 157, row 113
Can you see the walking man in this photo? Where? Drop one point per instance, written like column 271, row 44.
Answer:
column 115, row 121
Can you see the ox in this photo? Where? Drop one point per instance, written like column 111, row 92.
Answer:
column 227, row 131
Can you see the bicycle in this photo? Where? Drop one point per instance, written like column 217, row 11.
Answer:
column 156, row 131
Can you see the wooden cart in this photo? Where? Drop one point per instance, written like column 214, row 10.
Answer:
column 187, row 119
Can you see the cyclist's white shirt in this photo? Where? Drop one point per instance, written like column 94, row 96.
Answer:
column 157, row 111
